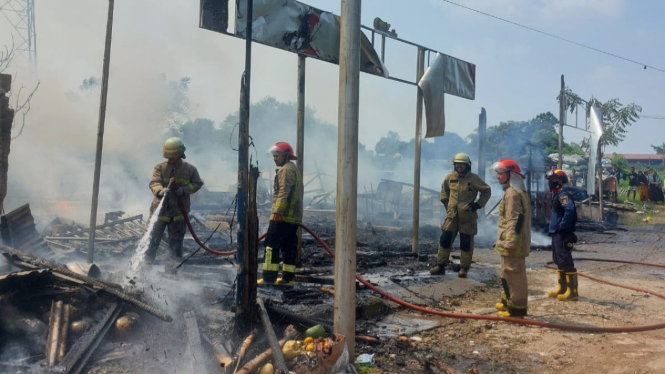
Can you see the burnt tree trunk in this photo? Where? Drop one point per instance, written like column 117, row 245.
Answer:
column 6, row 120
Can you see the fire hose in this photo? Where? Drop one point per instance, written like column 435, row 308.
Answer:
column 520, row 321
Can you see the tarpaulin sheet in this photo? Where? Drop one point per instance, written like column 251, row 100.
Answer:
column 296, row 27
column 446, row 75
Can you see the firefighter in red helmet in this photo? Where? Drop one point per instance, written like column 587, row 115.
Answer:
column 562, row 226
column 513, row 239
column 285, row 217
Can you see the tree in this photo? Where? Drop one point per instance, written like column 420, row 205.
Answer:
column 619, row 161
column 616, row 119
column 660, row 149
column 7, row 116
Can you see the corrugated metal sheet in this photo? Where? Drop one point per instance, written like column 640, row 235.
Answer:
column 17, row 229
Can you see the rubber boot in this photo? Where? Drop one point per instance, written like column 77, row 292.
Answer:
column 269, row 277
column 441, row 260
column 465, row 263
column 513, row 312
column 503, row 305
column 571, row 289
column 287, row 279
column 439, row 269
column 561, row 287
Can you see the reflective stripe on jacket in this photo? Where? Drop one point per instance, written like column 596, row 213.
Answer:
column 285, row 196
column 514, row 234
column 186, row 176
column 461, row 192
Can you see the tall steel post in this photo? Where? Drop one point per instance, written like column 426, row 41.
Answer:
column 562, row 115
column 100, row 134
column 301, row 143
column 416, row 162
column 244, row 305
column 482, row 133
column 347, row 173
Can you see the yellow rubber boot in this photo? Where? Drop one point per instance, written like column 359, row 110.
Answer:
column 571, row 289
column 561, row 287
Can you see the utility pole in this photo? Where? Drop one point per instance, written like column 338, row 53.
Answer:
column 420, row 70
column 100, row 134
column 301, row 143
column 562, row 114
column 244, row 291
column 482, row 131
column 347, row 173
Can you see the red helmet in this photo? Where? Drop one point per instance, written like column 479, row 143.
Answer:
column 283, row 147
column 557, row 174
column 507, row 164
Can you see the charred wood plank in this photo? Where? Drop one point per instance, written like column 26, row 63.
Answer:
column 55, row 327
column 82, row 350
column 110, row 288
column 278, row 357
column 194, row 343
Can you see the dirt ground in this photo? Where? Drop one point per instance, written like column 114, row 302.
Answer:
column 470, row 346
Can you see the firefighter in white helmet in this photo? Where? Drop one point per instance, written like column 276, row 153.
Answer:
column 184, row 180
column 284, row 219
column 459, row 195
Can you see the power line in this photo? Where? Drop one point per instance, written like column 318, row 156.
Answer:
column 555, row 36
column 647, row 116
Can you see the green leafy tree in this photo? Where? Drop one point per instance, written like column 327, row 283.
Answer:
column 660, row 149
column 616, row 119
column 620, row 161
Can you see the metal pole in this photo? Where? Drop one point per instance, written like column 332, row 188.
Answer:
column 420, row 70
column 383, row 49
column 244, row 305
column 562, row 114
column 347, row 173
column 301, row 143
column 100, row 134
column 600, row 183
column 482, row 131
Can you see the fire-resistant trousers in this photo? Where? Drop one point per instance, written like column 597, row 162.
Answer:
column 282, row 238
column 513, row 280
column 446, row 243
column 177, row 231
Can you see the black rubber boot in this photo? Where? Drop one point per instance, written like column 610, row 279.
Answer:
column 561, row 287
column 439, row 269
column 571, row 289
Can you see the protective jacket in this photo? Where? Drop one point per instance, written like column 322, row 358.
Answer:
column 186, row 176
column 514, row 234
column 286, row 198
column 564, row 215
column 461, row 193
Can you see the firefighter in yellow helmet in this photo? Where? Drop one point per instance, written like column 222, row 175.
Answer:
column 513, row 241
column 460, row 192
column 184, row 180
column 285, row 218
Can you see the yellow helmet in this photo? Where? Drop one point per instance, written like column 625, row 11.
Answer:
column 174, row 147
column 462, row 158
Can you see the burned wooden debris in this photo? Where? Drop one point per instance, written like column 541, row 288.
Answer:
column 52, row 318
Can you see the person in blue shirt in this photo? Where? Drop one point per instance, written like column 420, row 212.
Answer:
column 562, row 227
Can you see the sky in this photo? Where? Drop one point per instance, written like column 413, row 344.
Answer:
column 518, row 71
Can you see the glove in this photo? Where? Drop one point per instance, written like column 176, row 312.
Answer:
column 163, row 192
column 474, row 206
column 180, row 191
column 445, row 203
